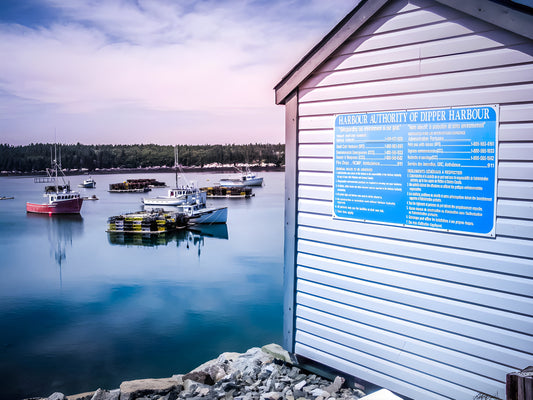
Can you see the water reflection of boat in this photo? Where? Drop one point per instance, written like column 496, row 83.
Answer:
column 62, row 229
column 193, row 236
column 219, row 231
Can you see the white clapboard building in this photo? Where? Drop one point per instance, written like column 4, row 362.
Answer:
column 409, row 197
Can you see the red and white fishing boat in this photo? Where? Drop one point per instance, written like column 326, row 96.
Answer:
column 60, row 199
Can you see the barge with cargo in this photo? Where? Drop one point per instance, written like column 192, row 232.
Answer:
column 147, row 222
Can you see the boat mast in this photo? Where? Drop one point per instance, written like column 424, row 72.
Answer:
column 55, row 166
column 176, row 163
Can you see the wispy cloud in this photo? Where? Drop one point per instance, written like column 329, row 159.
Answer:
column 218, row 60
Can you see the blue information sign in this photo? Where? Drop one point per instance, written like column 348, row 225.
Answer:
column 427, row 168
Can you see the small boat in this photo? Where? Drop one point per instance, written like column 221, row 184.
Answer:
column 199, row 213
column 88, row 183
column 175, row 197
column 93, row 197
column 247, row 178
column 6, row 198
column 60, row 199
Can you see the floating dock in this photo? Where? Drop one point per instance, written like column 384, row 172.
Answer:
column 222, row 192
column 147, row 222
column 135, row 186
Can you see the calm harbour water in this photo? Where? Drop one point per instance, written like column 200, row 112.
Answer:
column 81, row 310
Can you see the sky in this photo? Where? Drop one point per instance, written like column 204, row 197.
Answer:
column 152, row 71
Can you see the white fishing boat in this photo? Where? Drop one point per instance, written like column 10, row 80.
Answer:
column 89, row 183
column 176, row 196
column 247, row 178
column 195, row 208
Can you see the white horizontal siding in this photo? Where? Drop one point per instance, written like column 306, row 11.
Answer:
column 515, row 209
column 516, row 132
column 516, row 152
column 401, row 343
column 363, row 369
column 515, row 190
column 515, row 170
column 428, row 314
column 375, row 354
column 438, row 273
column 429, row 245
column 386, row 346
column 516, row 112
column 431, row 83
column 479, row 321
column 463, row 62
column 506, row 295
column 407, row 321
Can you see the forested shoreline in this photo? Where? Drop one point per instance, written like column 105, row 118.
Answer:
column 36, row 157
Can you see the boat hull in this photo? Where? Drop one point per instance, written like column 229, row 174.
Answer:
column 163, row 202
column 210, row 216
column 72, row 206
column 241, row 183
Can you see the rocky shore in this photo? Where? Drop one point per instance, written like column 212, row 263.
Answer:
column 266, row 373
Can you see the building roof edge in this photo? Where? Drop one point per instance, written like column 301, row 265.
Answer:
column 509, row 15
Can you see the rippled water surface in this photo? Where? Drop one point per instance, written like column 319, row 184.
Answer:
column 81, row 309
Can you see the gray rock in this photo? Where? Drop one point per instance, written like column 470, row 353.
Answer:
column 56, row 396
column 335, row 386
column 131, row 390
column 216, row 371
column 300, row 385
column 319, row 393
column 192, row 388
column 254, row 375
column 293, row 373
column 298, row 394
column 309, row 388
column 278, row 352
column 101, row 394
column 200, row 377
column 170, row 396
column 271, row 396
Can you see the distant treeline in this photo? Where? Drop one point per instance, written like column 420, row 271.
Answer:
column 36, row 157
